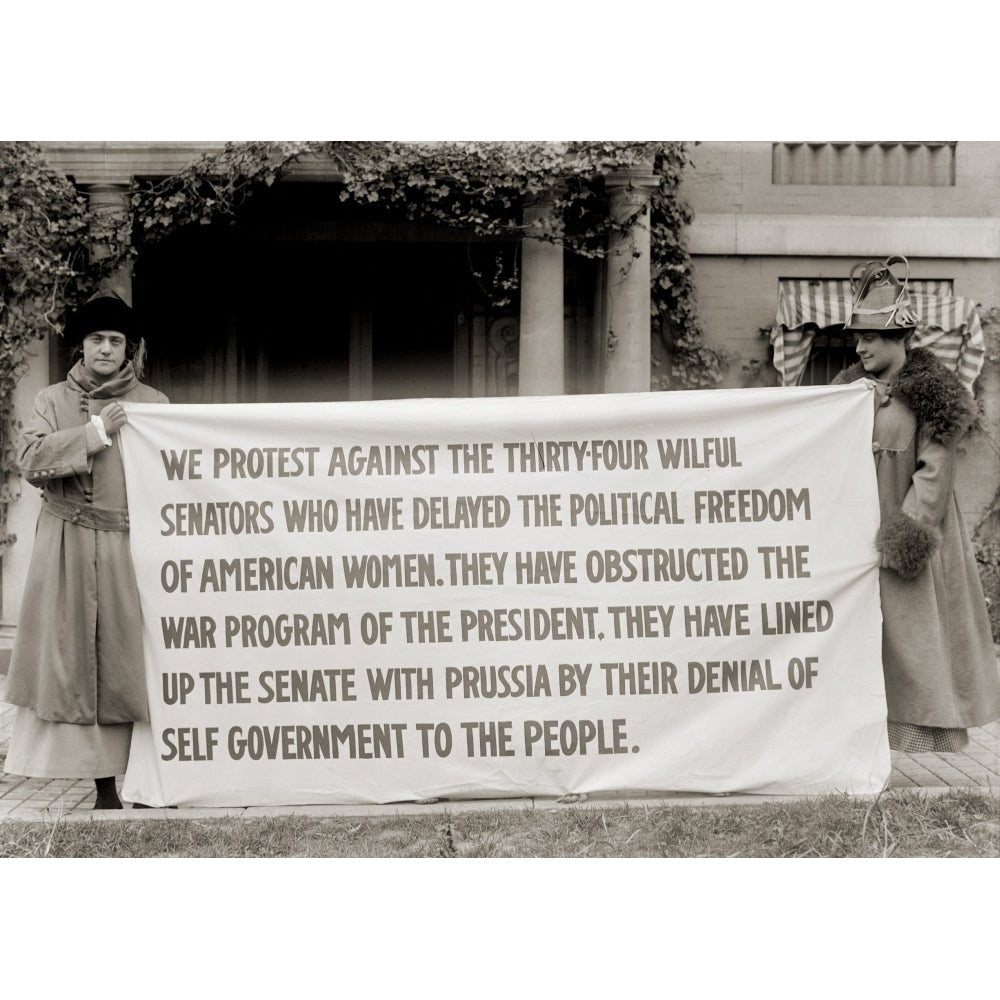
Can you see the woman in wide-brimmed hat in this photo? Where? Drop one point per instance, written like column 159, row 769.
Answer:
column 76, row 671
column 937, row 647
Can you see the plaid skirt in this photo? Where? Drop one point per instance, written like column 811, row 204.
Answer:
column 908, row 738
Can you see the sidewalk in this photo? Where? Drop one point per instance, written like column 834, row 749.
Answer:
column 46, row 799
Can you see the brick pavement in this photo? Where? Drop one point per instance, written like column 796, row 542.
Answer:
column 978, row 766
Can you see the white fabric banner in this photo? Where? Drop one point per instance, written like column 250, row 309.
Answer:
column 474, row 598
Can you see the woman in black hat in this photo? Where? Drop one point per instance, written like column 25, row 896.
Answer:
column 76, row 671
column 937, row 648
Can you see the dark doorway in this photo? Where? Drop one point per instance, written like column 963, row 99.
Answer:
column 257, row 315
column 413, row 325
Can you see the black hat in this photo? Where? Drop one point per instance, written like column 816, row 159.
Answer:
column 103, row 311
column 881, row 303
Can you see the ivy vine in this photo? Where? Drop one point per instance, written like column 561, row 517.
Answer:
column 481, row 188
column 44, row 229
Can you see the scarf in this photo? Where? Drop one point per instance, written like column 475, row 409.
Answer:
column 120, row 384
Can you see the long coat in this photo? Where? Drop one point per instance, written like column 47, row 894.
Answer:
column 78, row 652
column 937, row 647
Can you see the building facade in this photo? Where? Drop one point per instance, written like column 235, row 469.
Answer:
column 305, row 299
column 778, row 227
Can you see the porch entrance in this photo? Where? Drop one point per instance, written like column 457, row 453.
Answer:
column 306, row 322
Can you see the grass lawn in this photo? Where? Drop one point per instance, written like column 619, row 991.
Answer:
column 958, row 823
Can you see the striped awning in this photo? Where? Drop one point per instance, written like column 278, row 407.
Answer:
column 947, row 325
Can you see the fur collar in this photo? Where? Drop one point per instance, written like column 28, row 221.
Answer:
column 937, row 398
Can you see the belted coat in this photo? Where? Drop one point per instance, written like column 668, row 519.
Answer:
column 78, row 651
column 937, row 647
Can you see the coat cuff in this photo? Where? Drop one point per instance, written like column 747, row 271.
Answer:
column 905, row 544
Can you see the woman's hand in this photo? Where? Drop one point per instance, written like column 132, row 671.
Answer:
column 113, row 416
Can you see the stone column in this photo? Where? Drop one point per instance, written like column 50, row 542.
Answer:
column 627, row 355
column 541, row 362
column 111, row 202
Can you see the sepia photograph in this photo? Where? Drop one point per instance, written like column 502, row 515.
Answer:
column 628, row 505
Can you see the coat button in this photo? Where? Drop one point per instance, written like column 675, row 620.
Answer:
column 876, row 447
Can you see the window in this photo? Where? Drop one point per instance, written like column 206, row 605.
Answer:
column 811, row 317
column 870, row 163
